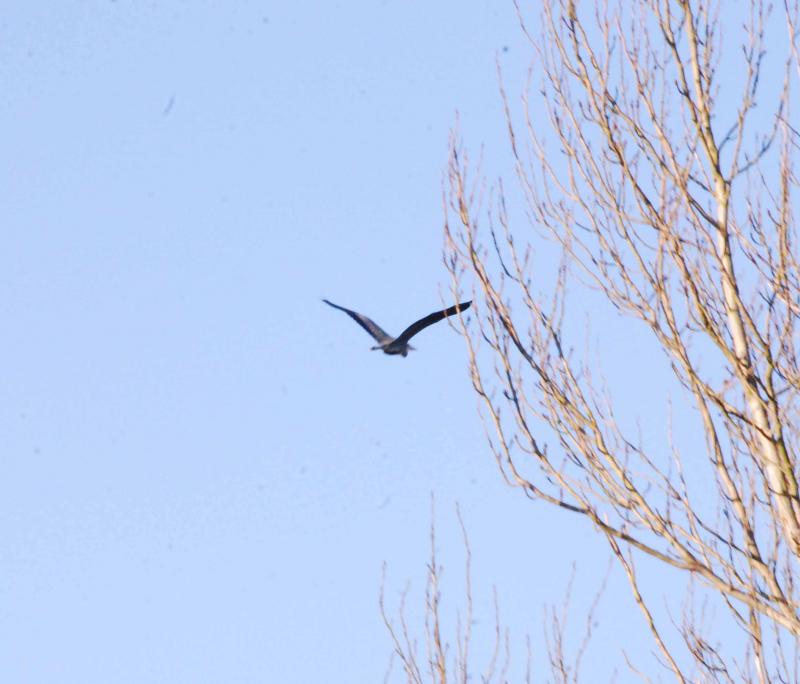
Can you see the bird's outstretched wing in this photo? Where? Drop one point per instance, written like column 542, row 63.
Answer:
column 430, row 319
column 380, row 335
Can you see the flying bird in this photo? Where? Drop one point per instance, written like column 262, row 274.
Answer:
column 399, row 344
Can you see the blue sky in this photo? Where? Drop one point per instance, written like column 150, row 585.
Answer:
column 204, row 467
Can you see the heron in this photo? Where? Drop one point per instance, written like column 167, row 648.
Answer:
column 399, row 344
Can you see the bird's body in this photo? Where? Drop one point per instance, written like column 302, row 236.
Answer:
column 398, row 345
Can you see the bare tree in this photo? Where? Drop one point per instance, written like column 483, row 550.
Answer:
column 659, row 159
column 447, row 650
column 441, row 659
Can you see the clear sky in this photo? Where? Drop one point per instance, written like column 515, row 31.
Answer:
column 204, row 468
